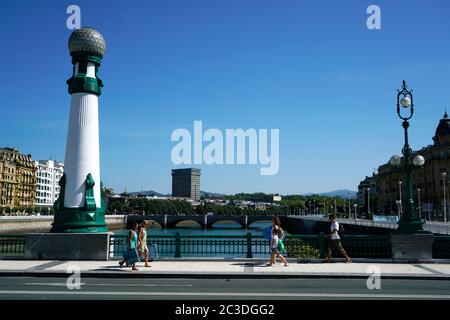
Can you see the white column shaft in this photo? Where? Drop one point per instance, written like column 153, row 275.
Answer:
column 82, row 150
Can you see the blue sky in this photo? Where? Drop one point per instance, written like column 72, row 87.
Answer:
column 309, row 68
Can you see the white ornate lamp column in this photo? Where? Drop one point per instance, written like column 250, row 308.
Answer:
column 79, row 207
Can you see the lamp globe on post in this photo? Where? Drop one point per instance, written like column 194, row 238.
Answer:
column 395, row 161
column 419, row 161
column 405, row 102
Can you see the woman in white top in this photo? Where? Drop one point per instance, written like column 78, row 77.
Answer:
column 143, row 248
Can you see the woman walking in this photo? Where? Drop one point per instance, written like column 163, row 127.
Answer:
column 143, row 248
column 276, row 225
column 274, row 246
column 130, row 255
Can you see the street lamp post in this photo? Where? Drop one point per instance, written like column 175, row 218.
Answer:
column 349, row 206
column 355, row 206
column 409, row 221
column 420, row 208
column 398, row 208
column 335, row 206
column 390, row 203
column 368, row 202
column 444, row 180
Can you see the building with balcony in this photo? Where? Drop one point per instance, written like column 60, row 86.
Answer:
column 48, row 175
column 17, row 179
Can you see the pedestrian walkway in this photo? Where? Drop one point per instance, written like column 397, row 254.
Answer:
column 227, row 269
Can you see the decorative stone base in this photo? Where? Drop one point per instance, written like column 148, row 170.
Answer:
column 67, row 246
column 412, row 247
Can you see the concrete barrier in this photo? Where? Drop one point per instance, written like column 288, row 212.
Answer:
column 24, row 224
column 67, row 246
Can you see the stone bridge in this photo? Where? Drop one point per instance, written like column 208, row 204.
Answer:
column 204, row 221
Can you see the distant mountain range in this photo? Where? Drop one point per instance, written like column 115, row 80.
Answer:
column 149, row 193
column 344, row 193
column 211, row 195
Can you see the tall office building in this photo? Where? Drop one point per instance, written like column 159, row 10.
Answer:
column 48, row 175
column 186, row 183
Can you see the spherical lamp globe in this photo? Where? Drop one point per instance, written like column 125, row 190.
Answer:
column 405, row 102
column 395, row 161
column 419, row 160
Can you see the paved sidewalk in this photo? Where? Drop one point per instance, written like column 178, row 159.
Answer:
column 227, row 269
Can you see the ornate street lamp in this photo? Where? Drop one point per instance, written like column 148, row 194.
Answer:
column 409, row 221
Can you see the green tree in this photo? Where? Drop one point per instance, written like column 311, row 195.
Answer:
column 200, row 210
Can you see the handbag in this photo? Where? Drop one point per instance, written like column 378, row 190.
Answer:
column 131, row 256
column 280, row 246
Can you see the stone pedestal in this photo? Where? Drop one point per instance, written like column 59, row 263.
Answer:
column 67, row 246
column 412, row 247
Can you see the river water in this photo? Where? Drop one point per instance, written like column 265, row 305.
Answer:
column 220, row 228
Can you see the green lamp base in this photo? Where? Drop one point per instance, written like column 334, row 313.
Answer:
column 78, row 220
column 410, row 227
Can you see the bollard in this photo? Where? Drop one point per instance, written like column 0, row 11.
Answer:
column 249, row 245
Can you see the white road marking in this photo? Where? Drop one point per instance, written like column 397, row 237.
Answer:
column 111, row 285
column 233, row 294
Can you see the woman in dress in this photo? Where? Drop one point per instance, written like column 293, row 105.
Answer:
column 132, row 243
column 143, row 248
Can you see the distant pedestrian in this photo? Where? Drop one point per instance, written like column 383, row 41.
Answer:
column 334, row 240
column 130, row 254
column 143, row 248
column 275, row 248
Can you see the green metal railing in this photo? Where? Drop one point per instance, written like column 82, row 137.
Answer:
column 12, row 244
column 249, row 246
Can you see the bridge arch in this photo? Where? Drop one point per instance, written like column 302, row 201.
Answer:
column 257, row 220
column 175, row 224
column 235, row 222
column 157, row 222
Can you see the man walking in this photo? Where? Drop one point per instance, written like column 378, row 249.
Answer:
column 334, row 240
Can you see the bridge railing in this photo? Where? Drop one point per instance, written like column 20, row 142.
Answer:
column 250, row 246
column 12, row 245
column 247, row 246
